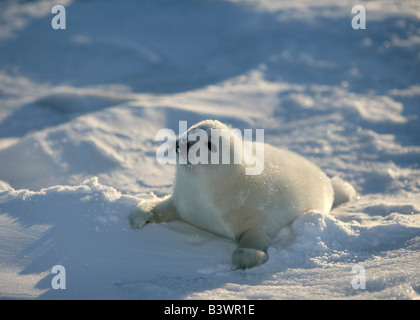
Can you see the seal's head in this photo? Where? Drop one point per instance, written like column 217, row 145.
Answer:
column 206, row 143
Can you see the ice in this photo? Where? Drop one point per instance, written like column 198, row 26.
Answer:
column 80, row 109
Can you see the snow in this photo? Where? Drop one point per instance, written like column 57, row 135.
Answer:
column 80, row 109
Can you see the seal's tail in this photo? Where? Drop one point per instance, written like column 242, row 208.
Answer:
column 343, row 191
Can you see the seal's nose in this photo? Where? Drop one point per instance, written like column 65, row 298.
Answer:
column 177, row 145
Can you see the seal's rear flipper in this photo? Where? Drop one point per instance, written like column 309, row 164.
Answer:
column 343, row 191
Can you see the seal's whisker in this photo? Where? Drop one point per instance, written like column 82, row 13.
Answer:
column 172, row 147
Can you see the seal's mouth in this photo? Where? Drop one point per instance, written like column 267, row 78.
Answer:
column 183, row 145
column 182, row 148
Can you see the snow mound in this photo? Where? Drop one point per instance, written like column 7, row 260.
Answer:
column 49, row 158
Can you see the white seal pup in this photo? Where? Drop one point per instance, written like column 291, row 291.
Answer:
column 249, row 209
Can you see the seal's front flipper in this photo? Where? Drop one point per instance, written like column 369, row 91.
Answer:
column 157, row 211
column 246, row 258
column 252, row 249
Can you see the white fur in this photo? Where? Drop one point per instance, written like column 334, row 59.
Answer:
column 249, row 209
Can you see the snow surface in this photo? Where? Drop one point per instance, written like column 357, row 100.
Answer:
column 79, row 113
